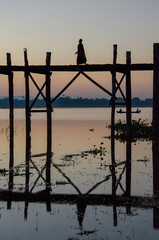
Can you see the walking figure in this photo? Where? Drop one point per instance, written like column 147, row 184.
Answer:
column 81, row 57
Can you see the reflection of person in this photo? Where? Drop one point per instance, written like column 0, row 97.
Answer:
column 81, row 57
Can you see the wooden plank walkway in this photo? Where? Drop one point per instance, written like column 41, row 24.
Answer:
column 42, row 69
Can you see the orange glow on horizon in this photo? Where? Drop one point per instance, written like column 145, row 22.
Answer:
column 142, row 84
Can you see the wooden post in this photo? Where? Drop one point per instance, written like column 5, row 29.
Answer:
column 155, row 123
column 128, row 93
column 27, row 109
column 48, row 104
column 49, row 131
column 113, row 89
column 112, row 133
column 128, row 121
column 28, row 129
column 11, row 118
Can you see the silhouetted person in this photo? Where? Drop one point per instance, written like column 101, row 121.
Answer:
column 81, row 57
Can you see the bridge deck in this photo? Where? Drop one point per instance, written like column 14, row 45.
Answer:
column 42, row 69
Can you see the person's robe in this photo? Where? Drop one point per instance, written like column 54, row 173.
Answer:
column 81, row 57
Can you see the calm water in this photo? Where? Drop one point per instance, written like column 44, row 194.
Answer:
column 80, row 164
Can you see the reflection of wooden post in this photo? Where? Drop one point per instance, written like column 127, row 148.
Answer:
column 156, row 168
column 128, row 168
column 156, row 179
column 115, row 219
column 49, row 131
column 128, row 174
column 156, row 90
column 28, row 129
column 27, row 172
column 128, row 92
column 156, row 218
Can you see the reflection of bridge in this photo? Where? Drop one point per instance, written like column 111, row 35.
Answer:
column 87, row 199
column 80, row 199
column 84, row 200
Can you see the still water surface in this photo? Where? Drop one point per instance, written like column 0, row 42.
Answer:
column 80, row 164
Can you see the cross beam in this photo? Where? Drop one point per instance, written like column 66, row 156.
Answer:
column 42, row 69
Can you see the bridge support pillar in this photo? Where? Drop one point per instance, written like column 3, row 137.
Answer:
column 128, row 92
column 155, row 122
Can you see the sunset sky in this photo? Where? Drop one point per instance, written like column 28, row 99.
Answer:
column 57, row 25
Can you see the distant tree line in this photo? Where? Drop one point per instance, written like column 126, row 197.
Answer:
column 66, row 101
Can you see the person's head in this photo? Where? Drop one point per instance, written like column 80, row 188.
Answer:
column 80, row 41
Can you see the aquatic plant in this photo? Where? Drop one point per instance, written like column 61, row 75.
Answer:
column 140, row 129
column 93, row 151
column 3, row 171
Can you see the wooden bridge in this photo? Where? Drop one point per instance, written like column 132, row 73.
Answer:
column 47, row 70
column 41, row 69
column 113, row 68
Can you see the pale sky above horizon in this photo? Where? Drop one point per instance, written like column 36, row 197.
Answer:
column 57, row 25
